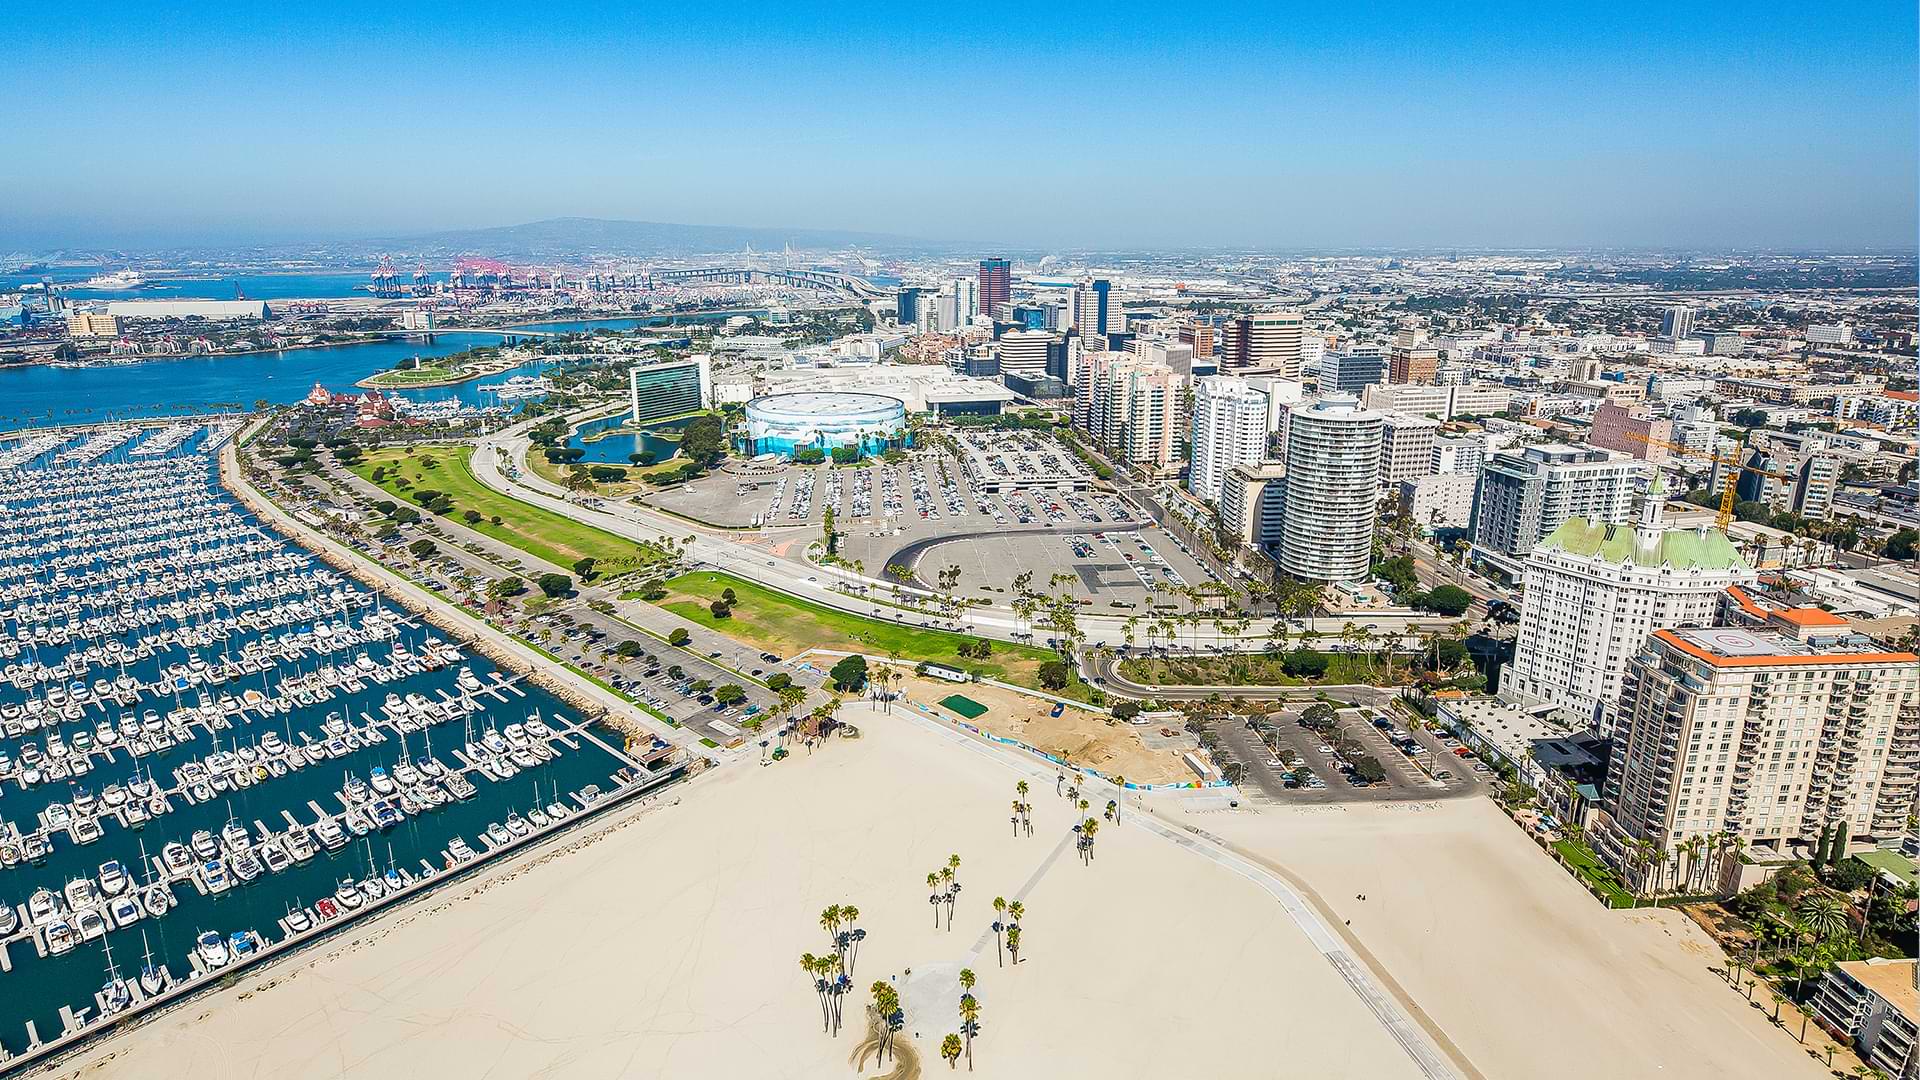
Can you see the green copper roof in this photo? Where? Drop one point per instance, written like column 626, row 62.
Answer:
column 1682, row 549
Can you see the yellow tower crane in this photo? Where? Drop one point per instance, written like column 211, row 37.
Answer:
column 1728, row 494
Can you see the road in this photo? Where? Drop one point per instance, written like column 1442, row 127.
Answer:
column 472, row 560
column 751, row 557
column 470, row 625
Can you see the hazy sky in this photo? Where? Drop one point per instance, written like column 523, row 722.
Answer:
column 1112, row 125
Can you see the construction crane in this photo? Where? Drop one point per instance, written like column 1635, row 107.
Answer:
column 1728, row 493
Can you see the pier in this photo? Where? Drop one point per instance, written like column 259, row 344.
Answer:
column 130, row 584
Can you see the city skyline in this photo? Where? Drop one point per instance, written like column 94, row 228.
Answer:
column 1628, row 127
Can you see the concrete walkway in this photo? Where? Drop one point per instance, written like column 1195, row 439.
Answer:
column 1430, row 1050
column 470, row 626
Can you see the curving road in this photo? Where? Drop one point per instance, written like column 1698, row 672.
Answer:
column 750, row 557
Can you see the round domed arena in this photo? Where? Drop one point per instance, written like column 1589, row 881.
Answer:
column 860, row 424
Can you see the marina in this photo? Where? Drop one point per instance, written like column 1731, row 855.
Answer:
column 49, row 394
column 214, row 748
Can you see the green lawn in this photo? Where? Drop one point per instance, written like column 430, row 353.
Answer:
column 1594, row 872
column 1256, row 670
column 428, row 373
column 785, row 625
column 541, row 533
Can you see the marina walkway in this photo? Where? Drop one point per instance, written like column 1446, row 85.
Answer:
column 469, row 626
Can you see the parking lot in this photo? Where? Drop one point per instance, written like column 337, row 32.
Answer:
column 680, row 682
column 588, row 639
column 1287, row 761
column 1004, row 507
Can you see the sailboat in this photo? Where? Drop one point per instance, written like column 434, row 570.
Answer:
column 155, row 979
column 116, row 995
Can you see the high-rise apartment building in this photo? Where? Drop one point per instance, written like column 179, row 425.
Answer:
column 1264, row 343
column 1253, row 503
column 1630, row 431
column 1772, row 736
column 996, row 286
column 957, row 304
column 1461, row 454
column 1350, row 373
column 1814, row 484
column 1677, row 322
column 1593, row 592
column 1406, row 448
column 1131, row 408
column 1526, row 493
column 1332, row 485
column 1230, row 427
column 1417, row 366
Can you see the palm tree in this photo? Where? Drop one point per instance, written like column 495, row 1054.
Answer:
column 1110, row 810
column 852, row 936
column 886, row 1002
column 1824, row 915
column 969, row 1019
column 812, row 965
column 999, row 924
column 933, row 883
column 950, row 1049
column 830, row 922
column 1013, row 943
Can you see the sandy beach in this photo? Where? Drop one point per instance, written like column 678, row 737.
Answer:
column 669, row 947
column 1523, row 971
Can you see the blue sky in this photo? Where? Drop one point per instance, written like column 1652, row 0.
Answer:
column 1115, row 125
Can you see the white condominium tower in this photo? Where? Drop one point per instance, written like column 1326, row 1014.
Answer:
column 1131, row 407
column 1230, row 427
column 1332, row 483
column 1594, row 591
column 1771, row 736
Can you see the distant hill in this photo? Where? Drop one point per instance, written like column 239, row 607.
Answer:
column 574, row 236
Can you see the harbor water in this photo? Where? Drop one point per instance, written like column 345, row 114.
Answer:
column 41, row 395
column 353, row 654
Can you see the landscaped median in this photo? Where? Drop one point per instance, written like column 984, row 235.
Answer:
column 404, row 472
column 1298, row 667
column 787, row 625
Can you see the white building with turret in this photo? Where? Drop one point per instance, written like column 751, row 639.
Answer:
column 1594, row 591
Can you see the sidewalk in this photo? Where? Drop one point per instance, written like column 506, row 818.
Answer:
column 455, row 620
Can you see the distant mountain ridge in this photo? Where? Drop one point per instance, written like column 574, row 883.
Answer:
column 576, row 236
